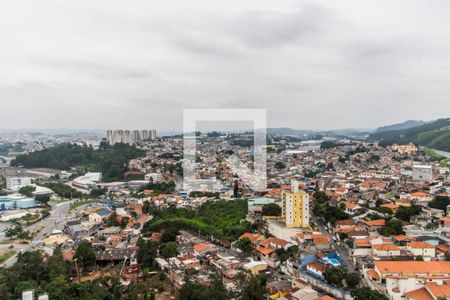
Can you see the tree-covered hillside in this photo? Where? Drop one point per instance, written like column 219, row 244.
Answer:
column 112, row 161
column 221, row 219
column 400, row 126
column 434, row 135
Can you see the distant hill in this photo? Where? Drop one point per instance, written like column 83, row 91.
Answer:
column 434, row 135
column 285, row 131
column 400, row 126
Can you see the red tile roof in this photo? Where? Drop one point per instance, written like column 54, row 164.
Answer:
column 273, row 240
column 317, row 266
column 379, row 222
column 200, row 247
column 251, row 236
column 412, row 267
column 265, row 250
column 420, row 245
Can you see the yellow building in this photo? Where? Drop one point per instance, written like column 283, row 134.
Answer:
column 295, row 207
column 405, row 149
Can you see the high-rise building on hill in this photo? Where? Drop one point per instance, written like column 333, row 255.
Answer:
column 129, row 136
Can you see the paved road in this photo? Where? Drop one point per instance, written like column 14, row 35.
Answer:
column 341, row 250
column 55, row 220
column 443, row 153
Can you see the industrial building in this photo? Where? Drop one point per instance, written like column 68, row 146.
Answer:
column 16, row 201
column 88, row 180
column 14, row 183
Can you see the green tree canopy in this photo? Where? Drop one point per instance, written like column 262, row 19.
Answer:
column 440, row 202
column 193, row 291
column 245, row 245
column 168, row 250
column 111, row 160
column 335, row 275
column 367, row 294
column 147, row 252
column 85, row 255
column 352, row 280
column 27, row 190
column 386, row 211
column 57, row 267
column 405, row 213
column 271, row 209
column 42, row 198
column 280, row 165
column 393, row 227
column 254, row 288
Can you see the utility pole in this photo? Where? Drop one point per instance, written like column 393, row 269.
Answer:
column 77, row 270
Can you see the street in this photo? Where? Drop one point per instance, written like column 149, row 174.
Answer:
column 55, row 220
column 341, row 250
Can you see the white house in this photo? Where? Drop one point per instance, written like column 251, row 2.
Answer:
column 424, row 249
column 317, row 269
column 386, row 250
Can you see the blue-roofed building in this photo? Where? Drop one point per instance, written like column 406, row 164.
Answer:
column 103, row 212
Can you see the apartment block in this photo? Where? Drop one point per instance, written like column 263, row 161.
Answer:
column 129, row 136
column 295, row 207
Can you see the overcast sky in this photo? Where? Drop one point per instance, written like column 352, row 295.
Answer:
column 137, row 64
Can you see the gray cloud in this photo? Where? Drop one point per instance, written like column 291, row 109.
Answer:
column 312, row 64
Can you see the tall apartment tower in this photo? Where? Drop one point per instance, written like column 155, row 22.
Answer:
column 109, row 136
column 145, row 135
column 129, row 136
column 152, row 134
column 118, row 136
column 295, row 206
column 136, row 135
